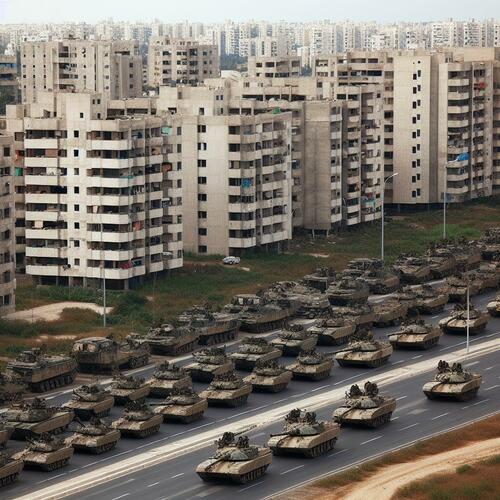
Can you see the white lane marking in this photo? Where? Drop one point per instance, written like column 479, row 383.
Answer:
column 251, row 486
column 471, row 364
column 401, row 397
column 481, row 402
column 416, row 357
column 398, row 362
column 492, row 387
column 409, row 426
column 394, row 418
column 121, row 496
column 439, row 416
column 370, row 440
column 50, row 478
column 152, row 484
column 259, row 434
column 291, row 470
column 436, row 316
column 335, row 453
column 177, row 475
column 489, row 368
column 322, row 387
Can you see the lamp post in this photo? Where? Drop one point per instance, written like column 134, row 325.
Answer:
column 468, row 316
column 459, row 158
column 383, row 216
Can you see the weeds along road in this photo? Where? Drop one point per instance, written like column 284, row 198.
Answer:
column 165, row 463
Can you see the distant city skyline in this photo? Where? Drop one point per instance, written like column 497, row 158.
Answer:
column 32, row 11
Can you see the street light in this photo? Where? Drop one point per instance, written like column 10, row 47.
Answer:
column 383, row 218
column 460, row 157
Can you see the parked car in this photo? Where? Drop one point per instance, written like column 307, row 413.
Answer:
column 230, row 260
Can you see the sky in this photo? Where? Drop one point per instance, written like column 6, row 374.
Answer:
column 31, row 11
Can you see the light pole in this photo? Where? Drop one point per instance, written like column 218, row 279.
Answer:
column 383, row 216
column 460, row 157
column 468, row 317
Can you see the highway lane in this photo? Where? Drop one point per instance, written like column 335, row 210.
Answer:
column 219, row 417
column 414, row 419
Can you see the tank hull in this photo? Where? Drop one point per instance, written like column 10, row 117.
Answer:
column 227, row 398
column 266, row 322
column 55, row 424
column 370, row 359
column 204, row 372
column 494, row 308
column 416, row 275
column 416, row 341
column 45, row 461
column 9, row 473
column 124, row 396
column 182, row 413
column 311, row 372
column 373, row 417
column 432, row 305
column 274, row 384
column 443, row 268
column 181, row 345
column 5, row 434
column 457, row 327
column 293, row 347
column 85, row 410
column 218, row 334
column 160, row 388
column 459, row 294
column 138, row 429
column 335, row 335
column 342, row 299
column 94, row 444
column 247, row 362
column 455, row 392
column 390, row 316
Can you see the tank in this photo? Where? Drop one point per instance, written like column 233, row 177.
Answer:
column 490, row 244
column 269, row 376
column 138, row 420
column 311, row 365
column 347, row 290
column 11, row 389
column 294, row 339
column 104, row 355
column 321, row 279
column 258, row 314
column 9, row 469
column 5, row 433
column 430, row 300
column 364, row 350
column 457, row 321
column 303, row 435
column 442, row 261
column 488, row 275
column 335, row 330
column 211, row 327
column 415, row 334
column 41, row 372
column 235, row 461
column 390, row 312
column 361, row 314
column 365, row 407
column 227, row 390
column 251, row 350
column 380, row 279
column 90, row 401
column 166, row 378
column 30, row 419
column 208, row 363
column 467, row 254
column 453, row 382
column 95, row 437
column 171, row 341
column 182, row 405
column 412, row 270
column 127, row 388
column 311, row 306
column 46, row 453
column 494, row 306
column 456, row 287
column 408, row 297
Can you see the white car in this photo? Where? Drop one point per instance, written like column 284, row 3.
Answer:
column 230, row 261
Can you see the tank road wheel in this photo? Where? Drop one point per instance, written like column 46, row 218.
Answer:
column 341, row 362
column 235, row 403
column 380, row 420
column 252, row 475
column 149, row 432
column 431, row 343
column 103, row 448
column 191, row 418
column 466, row 396
column 430, row 395
column 9, row 479
column 278, row 387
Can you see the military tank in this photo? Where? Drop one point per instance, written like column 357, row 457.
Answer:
column 167, row 340
column 457, row 322
column 30, row 419
column 488, row 275
column 90, row 401
column 412, row 270
column 251, row 350
column 127, row 388
column 94, row 437
column 456, row 287
column 390, row 312
column 235, row 461
column 347, row 291
column 138, row 420
column 258, row 314
column 380, row 279
column 105, row 355
column 5, row 433
column 415, row 334
column 494, row 306
column 211, row 327
column 9, row 469
column 442, row 261
column 364, row 350
column 182, row 405
column 453, row 382
column 321, row 279
column 429, row 300
column 227, row 390
column 41, row 372
column 208, row 363
column 334, row 330
column 362, row 315
column 303, row 435
column 46, row 453
column 467, row 254
column 311, row 365
column 408, row 297
column 294, row 339
column 269, row 376
column 490, row 244
column 11, row 389
column 166, row 378
column 365, row 407
column 311, row 306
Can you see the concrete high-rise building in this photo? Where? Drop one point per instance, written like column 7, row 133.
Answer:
column 111, row 68
column 101, row 198
column 173, row 61
column 7, row 235
column 274, row 67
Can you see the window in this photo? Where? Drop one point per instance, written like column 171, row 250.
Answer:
column 77, row 225
column 202, row 163
column 202, row 197
column 77, row 171
column 81, row 115
column 77, row 208
column 76, row 243
column 76, row 189
column 179, row 130
column 202, row 146
column 202, row 214
column 179, row 148
column 77, row 262
column 202, row 180
column 202, row 249
column 76, row 133
column 202, row 231
column 202, row 129
column 76, row 153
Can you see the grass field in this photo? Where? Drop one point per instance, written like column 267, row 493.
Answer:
column 206, row 280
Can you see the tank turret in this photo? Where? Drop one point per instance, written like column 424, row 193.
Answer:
column 457, row 322
column 380, row 279
column 412, row 270
column 335, row 330
column 167, row 377
column 489, row 244
column 94, row 437
column 348, row 290
column 321, row 278
column 227, row 390
column 90, row 401
column 362, row 315
column 171, row 341
column 453, row 383
column 138, row 420
column 269, row 376
column 209, row 362
column 364, row 350
column 251, row 350
column 182, row 405
column 365, row 407
column 430, row 300
column 236, row 461
column 311, row 365
column 127, row 388
column 415, row 334
column 390, row 312
column 304, row 435
column 294, row 339
column 494, row 306
column 456, row 287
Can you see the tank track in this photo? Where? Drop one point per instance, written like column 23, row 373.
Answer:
column 228, row 403
column 269, row 388
column 147, row 432
column 241, row 479
column 264, row 327
column 379, row 421
column 218, row 338
column 23, row 434
column 427, row 310
column 328, row 341
column 313, row 377
column 95, row 450
column 183, row 420
column 201, row 376
column 182, row 349
column 465, row 396
column 53, row 383
column 391, row 322
column 369, row 364
column 138, row 361
column 58, row 464
column 88, row 414
column 11, row 478
column 428, row 344
column 244, row 365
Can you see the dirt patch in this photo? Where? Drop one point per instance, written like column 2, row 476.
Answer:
column 44, row 338
column 319, row 255
column 52, row 312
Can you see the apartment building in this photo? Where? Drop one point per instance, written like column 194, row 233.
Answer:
column 180, row 61
column 496, row 130
column 236, row 171
column 274, row 67
column 101, row 199
column 7, row 246
column 9, row 85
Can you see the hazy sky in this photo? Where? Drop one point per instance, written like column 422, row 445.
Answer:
column 18, row 11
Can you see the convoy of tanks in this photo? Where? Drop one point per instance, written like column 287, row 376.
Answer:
column 343, row 317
